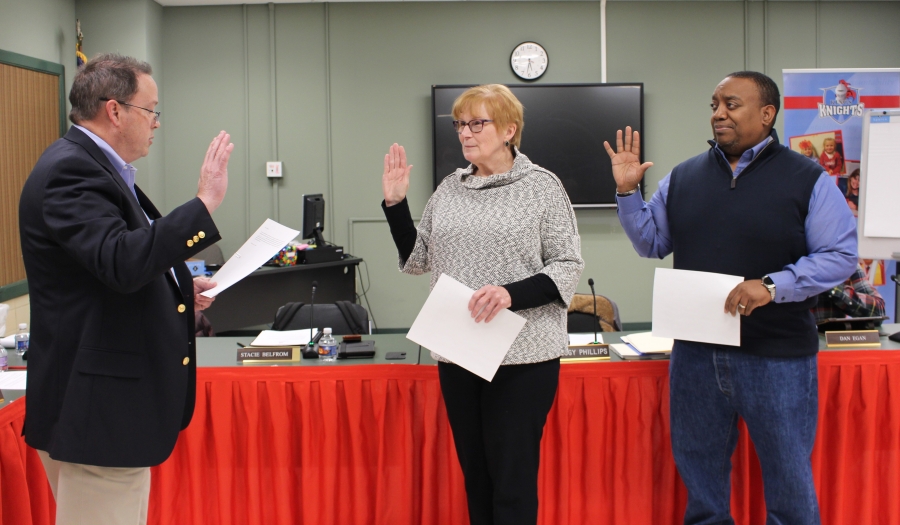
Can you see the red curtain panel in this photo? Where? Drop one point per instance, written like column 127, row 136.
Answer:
column 370, row 444
column 25, row 497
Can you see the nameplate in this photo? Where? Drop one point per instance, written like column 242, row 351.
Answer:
column 853, row 339
column 586, row 352
column 267, row 354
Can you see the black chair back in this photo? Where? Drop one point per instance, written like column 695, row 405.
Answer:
column 343, row 317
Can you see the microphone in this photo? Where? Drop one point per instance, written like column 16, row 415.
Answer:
column 312, row 307
column 310, row 352
column 596, row 321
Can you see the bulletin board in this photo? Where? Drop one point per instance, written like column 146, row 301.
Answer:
column 32, row 116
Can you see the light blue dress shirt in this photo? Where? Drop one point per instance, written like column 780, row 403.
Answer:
column 125, row 170
column 830, row 234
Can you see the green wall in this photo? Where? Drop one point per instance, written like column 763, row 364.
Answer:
column 326, row 88
column 348, row 79
column 133, row 28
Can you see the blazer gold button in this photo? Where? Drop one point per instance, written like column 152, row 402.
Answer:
column 190, row 243
column 181, row 308
column 185, row 361
column 201, row 235
column 196, row 239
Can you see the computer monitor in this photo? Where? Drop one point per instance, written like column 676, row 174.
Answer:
column 314, row 218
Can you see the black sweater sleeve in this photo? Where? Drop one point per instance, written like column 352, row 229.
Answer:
column 403, row 230
column 531, row 292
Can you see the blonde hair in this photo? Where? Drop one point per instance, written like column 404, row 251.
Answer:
column 501, row 105
column 829, row 139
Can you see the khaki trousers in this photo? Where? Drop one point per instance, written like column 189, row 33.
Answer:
column 90, row 495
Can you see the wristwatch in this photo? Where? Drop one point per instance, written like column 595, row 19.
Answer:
column 770, row 286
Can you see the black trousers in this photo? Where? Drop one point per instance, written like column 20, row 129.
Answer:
column 497, row 427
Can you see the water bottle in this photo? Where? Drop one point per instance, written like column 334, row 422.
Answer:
column 4, row 359
column 327, row 346
column 22, row 339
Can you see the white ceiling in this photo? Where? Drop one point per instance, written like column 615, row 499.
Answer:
column 168, row 3
column 241, row 2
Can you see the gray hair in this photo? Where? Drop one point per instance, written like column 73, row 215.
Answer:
column 111, row 76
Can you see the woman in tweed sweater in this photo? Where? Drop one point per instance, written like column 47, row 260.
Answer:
column 504, row 227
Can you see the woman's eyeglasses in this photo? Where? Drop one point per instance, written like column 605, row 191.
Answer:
column 475, row 125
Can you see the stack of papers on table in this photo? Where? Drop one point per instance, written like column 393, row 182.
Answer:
column 13, row 380
column 644, row 343
column 628, row 353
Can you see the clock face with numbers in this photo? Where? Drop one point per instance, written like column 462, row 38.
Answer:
column 529, row 60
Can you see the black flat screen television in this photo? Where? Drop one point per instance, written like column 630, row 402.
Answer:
column 565, row 126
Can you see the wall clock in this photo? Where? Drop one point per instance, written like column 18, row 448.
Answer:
column 529, row 60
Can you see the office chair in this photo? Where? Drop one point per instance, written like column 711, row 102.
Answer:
column 581, row 315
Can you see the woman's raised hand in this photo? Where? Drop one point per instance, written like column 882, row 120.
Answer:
column 626, row 160
column 395, row 180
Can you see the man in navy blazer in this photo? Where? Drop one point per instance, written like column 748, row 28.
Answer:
column 111, row 369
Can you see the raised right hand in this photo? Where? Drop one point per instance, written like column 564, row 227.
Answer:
column 395, row 180
column 626, row 160
column 214, row 172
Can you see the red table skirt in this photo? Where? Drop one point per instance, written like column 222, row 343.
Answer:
column 25, row 496
column 370, row 444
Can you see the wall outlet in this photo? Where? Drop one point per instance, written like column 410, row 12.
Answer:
column 273, row 169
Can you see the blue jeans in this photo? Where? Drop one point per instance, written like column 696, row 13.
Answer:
column 710, row 386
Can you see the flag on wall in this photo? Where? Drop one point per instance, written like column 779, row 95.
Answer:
column 80, row 58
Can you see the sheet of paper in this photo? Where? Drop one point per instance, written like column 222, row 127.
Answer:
column 12, row 380
column 691, row 306
column 647, row 343
column 445, row 326
column 283, row 337
column 584, row 339
column 268, row 240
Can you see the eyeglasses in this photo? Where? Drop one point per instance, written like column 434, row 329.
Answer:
column 475, row 125
column 155, row 113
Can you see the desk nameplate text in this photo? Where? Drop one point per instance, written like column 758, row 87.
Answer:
column 852, row 339
column 585, row 353
column 267, row 354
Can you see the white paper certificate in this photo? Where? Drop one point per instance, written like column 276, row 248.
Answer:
column 268, row 240
column 691, row 306
column 445, row 326
column 283, row 338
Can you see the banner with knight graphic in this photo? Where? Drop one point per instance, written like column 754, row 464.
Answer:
column 823, row 110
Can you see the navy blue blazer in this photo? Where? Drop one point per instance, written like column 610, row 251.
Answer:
column 111, row 366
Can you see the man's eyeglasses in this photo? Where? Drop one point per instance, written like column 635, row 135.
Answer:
column 475, row 125
column 155, row 113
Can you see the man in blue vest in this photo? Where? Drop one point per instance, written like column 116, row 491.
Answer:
column 748, row 206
